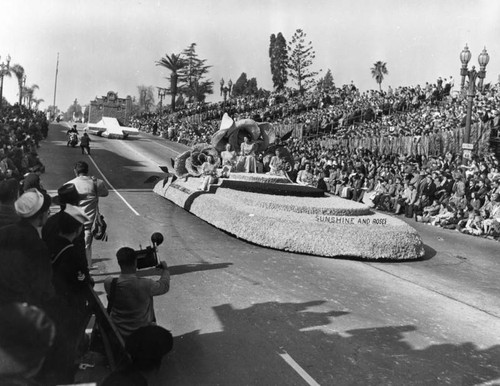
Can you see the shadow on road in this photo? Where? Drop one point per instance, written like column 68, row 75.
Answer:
column 247, row 352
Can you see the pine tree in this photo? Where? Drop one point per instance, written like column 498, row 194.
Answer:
column 301, row 56
column 192, row 76
column 251, row 87
column 278, row 58
column 240, row 85
column 326, row 83
column 245, row 86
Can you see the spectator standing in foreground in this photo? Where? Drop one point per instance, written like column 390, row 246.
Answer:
column 89, row 189
column 132, row 297
column 25, row 270
column 69, row 309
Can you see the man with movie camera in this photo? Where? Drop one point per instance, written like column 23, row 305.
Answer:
column 131, row 296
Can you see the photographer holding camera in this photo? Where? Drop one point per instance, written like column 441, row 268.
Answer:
column 130, row 296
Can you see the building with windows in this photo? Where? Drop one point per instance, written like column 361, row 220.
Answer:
column 111, row 106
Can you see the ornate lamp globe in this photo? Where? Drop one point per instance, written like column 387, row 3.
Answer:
column 465, row 55
column 483, row 58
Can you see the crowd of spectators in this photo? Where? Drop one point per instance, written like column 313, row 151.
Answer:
column 21, row 130
column 345, row 110
column 445, row 190
column 442, row 183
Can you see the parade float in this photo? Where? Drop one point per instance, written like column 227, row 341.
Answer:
column 271, row 211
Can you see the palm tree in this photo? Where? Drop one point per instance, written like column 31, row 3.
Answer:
column 379, row 69
column 36, row 102
column 4, row 71
column 198, row 91
column 173, row 63
column 24, row 93
column 18, row 71
column 30, row 91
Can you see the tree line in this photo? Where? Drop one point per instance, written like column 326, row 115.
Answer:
column 289, row 62
column 188, row 82
column 26, row 94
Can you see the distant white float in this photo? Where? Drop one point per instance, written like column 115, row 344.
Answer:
column 109, row 127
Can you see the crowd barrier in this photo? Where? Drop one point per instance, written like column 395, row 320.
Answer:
column 434, row 144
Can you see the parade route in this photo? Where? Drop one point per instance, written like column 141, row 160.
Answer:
column 245, row 315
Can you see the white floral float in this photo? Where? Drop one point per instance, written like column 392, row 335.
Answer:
column 272, row 212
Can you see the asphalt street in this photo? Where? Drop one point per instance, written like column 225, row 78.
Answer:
column 246, row 315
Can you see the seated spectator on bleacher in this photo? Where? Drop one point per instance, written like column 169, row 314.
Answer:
column 31, row 180
column 132, row 296
column 31, row 162
column 491, row 222
column 8, row 168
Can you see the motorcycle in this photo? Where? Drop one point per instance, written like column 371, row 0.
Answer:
column 72, row 139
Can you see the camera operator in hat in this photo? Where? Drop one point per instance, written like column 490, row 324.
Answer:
column 132, row 298
column 90, row 189
column 25, row 269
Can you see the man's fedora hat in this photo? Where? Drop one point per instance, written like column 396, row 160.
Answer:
column 67, row 194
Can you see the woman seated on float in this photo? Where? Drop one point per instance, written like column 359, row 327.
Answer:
column 305, row 176
column 277, row 164
column 247, row 155
column 208, row 172
column 229, row 160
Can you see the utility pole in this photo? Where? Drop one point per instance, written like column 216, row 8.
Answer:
column 55, row 86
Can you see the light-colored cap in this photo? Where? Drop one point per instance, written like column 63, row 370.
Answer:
column 31, row 202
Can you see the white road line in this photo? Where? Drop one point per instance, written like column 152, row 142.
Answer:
column 493, row 382
column 299, row 370
column 113, row 188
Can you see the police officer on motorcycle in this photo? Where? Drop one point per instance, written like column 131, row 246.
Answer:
column 72, row 136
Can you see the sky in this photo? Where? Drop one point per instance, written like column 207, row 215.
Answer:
column 113, row 45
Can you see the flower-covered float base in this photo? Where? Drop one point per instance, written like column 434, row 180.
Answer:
column 303, row 222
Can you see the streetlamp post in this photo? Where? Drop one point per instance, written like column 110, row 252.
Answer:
column 472, row 75
column 4, row 69
column 224, row 90
column 162, row 93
